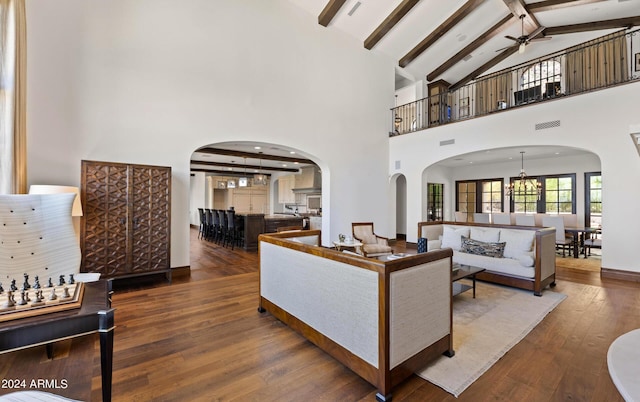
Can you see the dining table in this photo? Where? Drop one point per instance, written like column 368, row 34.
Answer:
column 579, row 234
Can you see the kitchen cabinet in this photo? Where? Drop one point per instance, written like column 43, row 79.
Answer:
column 286, row 185
column 126, row 227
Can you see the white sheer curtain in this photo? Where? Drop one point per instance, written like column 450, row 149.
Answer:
column 13, row 166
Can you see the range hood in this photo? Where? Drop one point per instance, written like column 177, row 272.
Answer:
column 309, row 181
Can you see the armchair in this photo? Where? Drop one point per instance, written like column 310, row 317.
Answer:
column 372, row 244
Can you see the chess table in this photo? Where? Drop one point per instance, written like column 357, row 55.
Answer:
column 94, row 315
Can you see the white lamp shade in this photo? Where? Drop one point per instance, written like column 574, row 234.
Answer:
column 76, row 210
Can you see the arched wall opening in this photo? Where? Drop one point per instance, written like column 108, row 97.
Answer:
column 505, row 163
column 206, row 190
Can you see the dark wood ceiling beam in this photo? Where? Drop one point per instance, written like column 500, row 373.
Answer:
column 241, row 167
column 481, row 40
column 225, row 172
column 389, row 22
column 519, row 8
column 445, row 27
column 626, row 22
column 330, row 11
column 508, row 52
column 253, row 155
column 550, row 5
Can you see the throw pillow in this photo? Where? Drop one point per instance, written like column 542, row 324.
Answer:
column 526, row 260
column 489, row 235
column 451, row 236
column 471, row 246
column 518, row 242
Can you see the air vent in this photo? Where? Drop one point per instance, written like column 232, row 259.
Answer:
column 447, row 142
column 467, row 57
column 548, row 124
column 397, row 165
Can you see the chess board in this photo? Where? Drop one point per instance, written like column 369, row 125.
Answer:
column 45, row 306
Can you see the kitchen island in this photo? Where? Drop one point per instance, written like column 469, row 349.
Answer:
column 256, row 224
column 273, row 222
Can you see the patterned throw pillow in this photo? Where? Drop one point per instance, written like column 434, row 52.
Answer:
column 470, row 246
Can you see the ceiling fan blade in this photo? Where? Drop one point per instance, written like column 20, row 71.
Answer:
column 522, row 47
column 505, row 48
column 511, row 37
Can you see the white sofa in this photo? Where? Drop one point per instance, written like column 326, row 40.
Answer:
column 382, row 319
column 527, row 261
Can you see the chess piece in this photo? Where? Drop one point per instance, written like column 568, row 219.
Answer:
column 65, row 293
column 10, row 301
column 38, row 298
column 13, row 285
column 50, row 285
column 26, row 285
column 1, row 288
column 36, row 284
column 53, row 295
column 23, row 298
column 61, row 281
column 71, row 279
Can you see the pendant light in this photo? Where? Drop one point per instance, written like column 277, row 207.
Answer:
column 260, row 179
column 523, row 185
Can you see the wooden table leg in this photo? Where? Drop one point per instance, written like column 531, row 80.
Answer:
column 106, row 352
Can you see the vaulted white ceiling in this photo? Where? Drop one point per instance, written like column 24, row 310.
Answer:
column 360, row 18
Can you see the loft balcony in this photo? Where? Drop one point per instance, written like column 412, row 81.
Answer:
column 608, row 61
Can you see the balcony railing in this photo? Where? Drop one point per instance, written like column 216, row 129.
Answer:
column 604, row 62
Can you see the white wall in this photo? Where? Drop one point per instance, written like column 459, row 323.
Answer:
column 599, row 122
column 150, row 81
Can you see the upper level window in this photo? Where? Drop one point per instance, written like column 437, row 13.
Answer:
column 543, row 73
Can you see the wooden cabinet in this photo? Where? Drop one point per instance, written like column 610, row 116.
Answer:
column 126, row 226
column 286, row 184
column 439, row 108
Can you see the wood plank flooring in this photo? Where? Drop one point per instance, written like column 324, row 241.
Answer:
column 202, row 339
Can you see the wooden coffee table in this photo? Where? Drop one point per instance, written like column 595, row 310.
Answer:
column 461, row 272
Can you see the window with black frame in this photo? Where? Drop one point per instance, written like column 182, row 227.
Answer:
column 558, row 195
column 435, row 201
column 593, row 199
column 484, row 195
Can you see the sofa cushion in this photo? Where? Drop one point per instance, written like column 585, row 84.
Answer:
column 506, row 266
column 518, row 242
column 488, row 249
column 376, row 249
column 369, row 239
column 490, row 235
column 526, row 259
column 452, row 237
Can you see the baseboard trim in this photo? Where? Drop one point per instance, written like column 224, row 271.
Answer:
column 629, row 276
column 181, row 271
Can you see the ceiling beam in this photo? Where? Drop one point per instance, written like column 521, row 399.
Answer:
column 330, row 11
column 240, row 167
column 440, row 31
column 626, row 22
column 253, row 155
column 550, row 5
column 224, row 172
column 389, row 22
column 481, row 40
column 508, row 52
column 518, row 9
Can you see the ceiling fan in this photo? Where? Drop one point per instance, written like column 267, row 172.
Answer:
column 523, row 40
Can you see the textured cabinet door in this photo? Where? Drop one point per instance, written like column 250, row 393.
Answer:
column 126, row 222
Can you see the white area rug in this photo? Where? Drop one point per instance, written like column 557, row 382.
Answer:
column 484, row 329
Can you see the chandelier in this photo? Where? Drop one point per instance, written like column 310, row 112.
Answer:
column 523, row 185
column 260, row 179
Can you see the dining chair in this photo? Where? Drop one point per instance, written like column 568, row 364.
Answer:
column 592, row 242
column 525, row 220
column 460, row 216
column 564, row 241
column 501, row 218
column 481, row 218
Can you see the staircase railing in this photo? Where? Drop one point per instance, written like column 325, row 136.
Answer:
column 598, row 64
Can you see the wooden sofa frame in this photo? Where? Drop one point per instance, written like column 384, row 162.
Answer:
column 283, row 254
column 545, row 256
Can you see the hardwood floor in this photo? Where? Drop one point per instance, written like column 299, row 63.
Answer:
column 201, row 339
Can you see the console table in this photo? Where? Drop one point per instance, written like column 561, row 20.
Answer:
column 94, row 315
